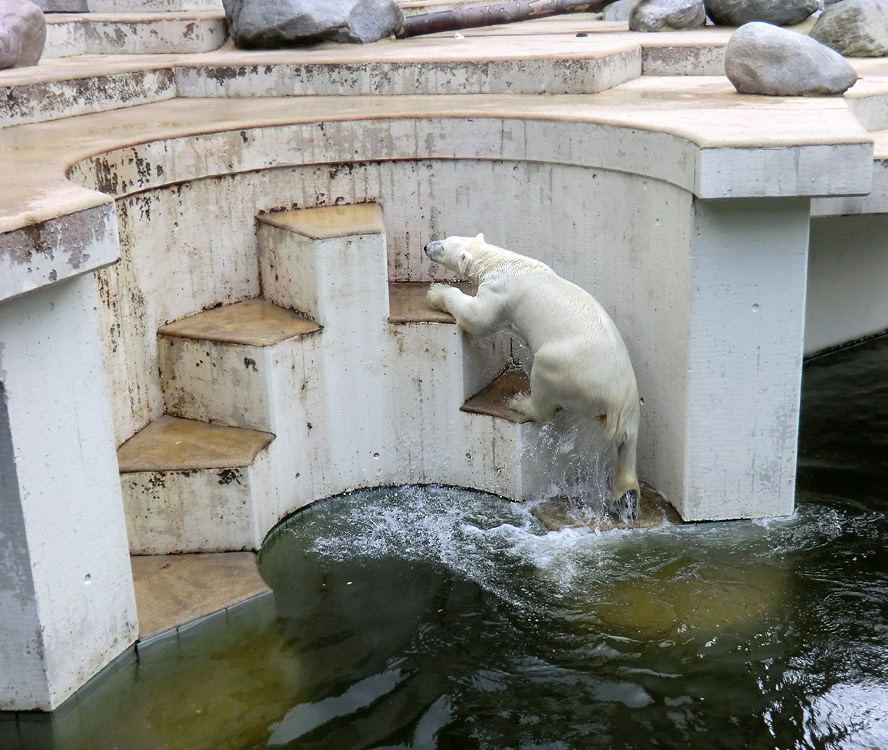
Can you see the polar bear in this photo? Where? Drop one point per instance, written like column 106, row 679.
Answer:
column 580, row 362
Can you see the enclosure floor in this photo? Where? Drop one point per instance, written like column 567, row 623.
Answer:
column 172, row 590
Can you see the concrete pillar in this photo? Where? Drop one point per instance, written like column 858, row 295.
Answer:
column 734, row 453
column 66, row 593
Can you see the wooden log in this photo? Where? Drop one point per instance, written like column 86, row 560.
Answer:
column 471, row 16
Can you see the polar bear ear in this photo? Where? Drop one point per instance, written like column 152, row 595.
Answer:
column 479, row 237
column 464, row 262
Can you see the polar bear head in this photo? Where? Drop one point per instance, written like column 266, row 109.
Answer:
column 456, row 253
column 474, row 258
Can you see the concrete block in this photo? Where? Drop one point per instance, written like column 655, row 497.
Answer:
column 216, row 366
column 194, row 487
column 65, row 585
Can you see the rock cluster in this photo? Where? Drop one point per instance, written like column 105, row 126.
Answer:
column 656, row 15
column 269, row 24
column 777, row 12
column 856, row 28
column 764, row 59
column 22, row 33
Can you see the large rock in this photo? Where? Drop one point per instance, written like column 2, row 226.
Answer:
column 620, row 10
column 655, row 15
column 764, row 59
column 856, row 28
column 270, row 24
column 22, row 33
column 778, row 12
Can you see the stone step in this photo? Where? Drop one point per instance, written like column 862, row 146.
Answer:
column 191, row 487
column 493, row 399
column 408, row 303
column 220, row 365
column 174, row 590
column 133, row 32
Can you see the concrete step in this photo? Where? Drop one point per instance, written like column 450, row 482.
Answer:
column 493, row 399
column 220, row 365
column 174, row 590
column 194, row 487
column 408, row 303
column 134, row 32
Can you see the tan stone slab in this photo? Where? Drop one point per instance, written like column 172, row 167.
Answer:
column 174, row 444
column 560, row 513
column 408, row 303
column 327, row 222
column 254, row 322
column 493, row 399
column 172, row 590
column 706, row 111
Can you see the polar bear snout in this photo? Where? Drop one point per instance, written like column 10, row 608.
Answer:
column 435, row 250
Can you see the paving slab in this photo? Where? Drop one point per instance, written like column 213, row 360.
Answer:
column 408, row 303
column 493, row 400
column 254, row 322
column 173, row 590
column 327, row 222
column 174, row 444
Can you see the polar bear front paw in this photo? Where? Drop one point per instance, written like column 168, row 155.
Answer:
column 437, row 295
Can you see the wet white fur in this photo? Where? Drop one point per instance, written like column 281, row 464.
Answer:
column 580, row 362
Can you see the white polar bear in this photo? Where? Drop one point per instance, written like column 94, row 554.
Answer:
column 580, row 362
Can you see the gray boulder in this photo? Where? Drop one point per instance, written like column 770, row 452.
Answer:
column 620, row 10
column 269, row 24
column 778, row 12
column 22, row 33
column 856, row 28
column 764, row 59
column 655, row 15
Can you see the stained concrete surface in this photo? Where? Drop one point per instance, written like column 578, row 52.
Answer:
column 173, row 444
column 494, row 398
column 172, row 590
column 254, row 322
column 330, row 221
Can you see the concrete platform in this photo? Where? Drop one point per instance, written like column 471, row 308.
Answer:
column 329, row 221
column 408, row 303
column 173, row 444
column 69, row 34
column 255, row 322
column 173, row 590
column 493, row 399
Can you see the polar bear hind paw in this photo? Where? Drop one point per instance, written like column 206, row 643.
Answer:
column 628, row 506
column 522, row 404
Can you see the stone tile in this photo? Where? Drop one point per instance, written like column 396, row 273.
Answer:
column 173, row 444
column 173, row 590
column 492, row 400
column 329, row 221
column 408, row 304
column 254, row 322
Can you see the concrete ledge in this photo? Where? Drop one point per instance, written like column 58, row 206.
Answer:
column 172, row 590
column 70, row 34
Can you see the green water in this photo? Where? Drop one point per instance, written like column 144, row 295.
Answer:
column 438, row 618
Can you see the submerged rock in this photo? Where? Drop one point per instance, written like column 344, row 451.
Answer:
column 268, row 24
column 22, row 33
column 764, row 59
column 778, row 12
column 856, row 28
column 656, row 15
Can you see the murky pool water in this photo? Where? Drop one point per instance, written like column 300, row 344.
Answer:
column 432, row 617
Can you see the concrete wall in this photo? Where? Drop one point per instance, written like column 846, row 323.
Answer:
column 65, row 583
column 847, row 280
column 193, row 245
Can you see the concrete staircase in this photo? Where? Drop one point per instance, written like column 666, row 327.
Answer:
column 268, row 409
